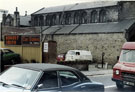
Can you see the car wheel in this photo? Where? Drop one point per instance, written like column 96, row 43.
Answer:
column 13, row 61
column 119, row 85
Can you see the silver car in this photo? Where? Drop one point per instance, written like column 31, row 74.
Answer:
column 46, row 78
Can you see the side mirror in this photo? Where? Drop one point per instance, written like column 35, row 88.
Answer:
column 38, row 87
column 118, row 57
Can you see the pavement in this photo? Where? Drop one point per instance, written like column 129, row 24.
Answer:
column 94, row 71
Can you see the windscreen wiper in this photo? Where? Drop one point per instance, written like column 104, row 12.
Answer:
column 17, row 85
column 3, row 84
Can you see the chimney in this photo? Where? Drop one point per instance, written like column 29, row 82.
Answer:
column 16, row 18
column 4, row 18
column 25, row 13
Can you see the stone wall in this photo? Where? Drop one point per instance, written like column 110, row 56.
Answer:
column 110, row 44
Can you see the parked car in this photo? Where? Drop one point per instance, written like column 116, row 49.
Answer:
column 46, row 78
column 10, row 57
column 78, row 55
column 61, row 57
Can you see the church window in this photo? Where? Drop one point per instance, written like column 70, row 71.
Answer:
column 102, row 16
column 35, row 21
column 68, row 18
column 83, row 17
column 76, row 18
column 41, row 20
column 53, row 20
column 48, row 20
column 94, row 16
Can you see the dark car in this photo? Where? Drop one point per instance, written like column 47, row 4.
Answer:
column 46, row 78
column 9, row 57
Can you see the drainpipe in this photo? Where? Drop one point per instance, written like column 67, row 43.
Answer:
column 1, row 31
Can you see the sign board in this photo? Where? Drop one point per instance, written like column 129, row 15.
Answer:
column 25, row 40
column 12, row 40
column 31, row 40
column 45, row 47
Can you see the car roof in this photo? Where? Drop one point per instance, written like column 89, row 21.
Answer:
column 80, row 50
column 129, row 46
column 3, row 48
column 44, row 67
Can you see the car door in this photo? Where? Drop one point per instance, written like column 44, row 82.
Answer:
column 69, row 81
column 49, row 82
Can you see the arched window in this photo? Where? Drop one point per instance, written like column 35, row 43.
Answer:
column 94, row 16
column 35, row 21
column 68, row 19
column 53, row 20
column 102, row 16
column 48, row 20
column 41, row 20
column 83, row 17
column 60, row 19
column 76, row 18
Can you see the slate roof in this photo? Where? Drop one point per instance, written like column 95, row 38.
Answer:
column 77, row 6
column 112, row 27
column 43, row 67
column 24, row 20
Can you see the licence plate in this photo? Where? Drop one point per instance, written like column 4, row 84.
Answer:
column 129, row 83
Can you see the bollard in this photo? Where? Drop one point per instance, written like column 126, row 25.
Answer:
column 103, row 59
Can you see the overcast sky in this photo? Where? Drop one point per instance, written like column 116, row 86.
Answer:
column 33, row 5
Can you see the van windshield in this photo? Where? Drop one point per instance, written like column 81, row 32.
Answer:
column 127, row 56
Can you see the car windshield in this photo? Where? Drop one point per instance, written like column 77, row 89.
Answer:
column 127, row 56
column 19, row 77
column 7, row 51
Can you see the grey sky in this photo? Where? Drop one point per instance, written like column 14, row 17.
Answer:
column 33, row 5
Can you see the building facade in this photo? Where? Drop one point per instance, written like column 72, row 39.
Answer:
column 15, row 20
column 101, row 27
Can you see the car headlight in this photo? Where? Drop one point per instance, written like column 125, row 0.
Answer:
column 117, row 72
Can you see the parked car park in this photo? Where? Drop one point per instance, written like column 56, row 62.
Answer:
column 46, row 78
column 10, row 57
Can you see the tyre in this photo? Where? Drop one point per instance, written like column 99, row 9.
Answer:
column 15, row 61
column 119, row 85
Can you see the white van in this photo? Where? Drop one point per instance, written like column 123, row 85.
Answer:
column 78, row 55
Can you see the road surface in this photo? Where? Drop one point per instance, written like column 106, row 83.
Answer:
column 109, row 84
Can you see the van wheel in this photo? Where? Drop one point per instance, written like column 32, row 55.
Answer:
column 119, row 85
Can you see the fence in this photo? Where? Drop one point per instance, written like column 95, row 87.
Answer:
column 28, row 53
